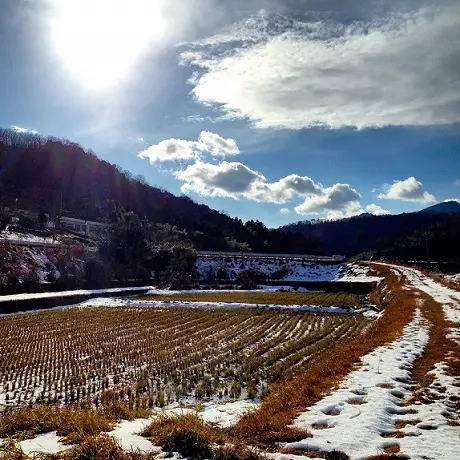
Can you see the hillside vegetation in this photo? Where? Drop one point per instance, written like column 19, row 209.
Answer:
column 425, row 235
column 59, row 177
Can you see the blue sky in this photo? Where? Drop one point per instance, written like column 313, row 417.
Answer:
column 267, row 109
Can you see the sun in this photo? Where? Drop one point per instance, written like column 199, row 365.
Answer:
column 100, row 40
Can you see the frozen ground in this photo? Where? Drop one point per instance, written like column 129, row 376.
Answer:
column 111, row 302
column 372, row 403
column 448, row 298
column 361, row 417
column 26, row 237
column 292, row 270
column 127, row 433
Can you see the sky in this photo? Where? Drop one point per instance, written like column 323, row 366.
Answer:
column 277, row 110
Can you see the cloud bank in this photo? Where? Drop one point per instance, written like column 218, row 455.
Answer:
column 282, row 73
column 236, row 180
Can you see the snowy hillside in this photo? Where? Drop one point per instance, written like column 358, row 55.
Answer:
column 291, row 270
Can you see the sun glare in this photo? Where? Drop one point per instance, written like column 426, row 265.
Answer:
column 100, row 40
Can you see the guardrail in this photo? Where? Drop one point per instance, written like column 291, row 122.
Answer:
column 277, row 256
column 45, row 244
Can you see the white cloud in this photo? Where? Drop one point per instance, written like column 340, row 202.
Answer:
column 333, row 199
column 284, row 189
column 217, row 145
column 282, row 73
column 179, row 149
column 376, row 210
column 20, row 129
column 457, row 182
column 236, row 180
column 171, row 150
column 226, row 179
column 233, row 179
column 452, row 199
column 407, row 190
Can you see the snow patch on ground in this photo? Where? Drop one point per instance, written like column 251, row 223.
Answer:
column 118, row 302
column 227, row 414
column 353, row 418
column 448, row 298
column 26, row 237
column 46, row 295
column 48, row 442
column 127, row 433
column 288, row 270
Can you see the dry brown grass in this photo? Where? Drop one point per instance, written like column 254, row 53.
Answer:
column 388, row 457
column 189, row 435
column 73, row 423
column 393, row 449
column 267, row 298
column 402, row 423
column 101, row 447
column 438, row 344
column 288, row 398
column 356, row 401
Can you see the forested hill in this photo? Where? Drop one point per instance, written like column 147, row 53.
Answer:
column 432, row 234
column 55, row 176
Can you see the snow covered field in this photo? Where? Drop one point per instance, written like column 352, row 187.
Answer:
column 372, row 412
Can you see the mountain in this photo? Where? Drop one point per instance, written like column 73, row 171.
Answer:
column 447, row 207
column 59, row 177
column 403, row 236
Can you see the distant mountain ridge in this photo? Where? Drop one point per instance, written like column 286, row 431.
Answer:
column 437, row 226
column 447, row 207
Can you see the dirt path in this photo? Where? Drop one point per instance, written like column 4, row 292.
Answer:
column 373, row 411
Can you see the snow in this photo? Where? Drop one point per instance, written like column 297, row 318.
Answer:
column 448, row 298
column 227, row 414
column 294, row 270
column 383, row 384
column 25, row 237
column 356, row 429
column 260, row 288
column 127, row 434
column 118, row 302
column 48, row 442
column 46, row 295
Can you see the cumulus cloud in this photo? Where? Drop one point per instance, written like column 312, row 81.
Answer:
column 332, row 199
column 171, row 150
column 376, row 210
column 234, row 179
column 217, row 145
column 282, row 73
column 226, row 179
column 452, row 199
column 409, row 189
column 179, row 149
